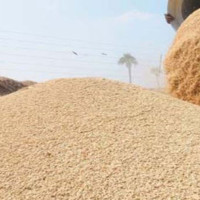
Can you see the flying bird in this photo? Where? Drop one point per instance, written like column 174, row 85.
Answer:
column 104, row 54
column 75, row 53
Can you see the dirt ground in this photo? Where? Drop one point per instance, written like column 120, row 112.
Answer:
column 98, row 139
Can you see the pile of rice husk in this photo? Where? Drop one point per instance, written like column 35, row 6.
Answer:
column 98, row 139
column 183, row 61
column 8, row 85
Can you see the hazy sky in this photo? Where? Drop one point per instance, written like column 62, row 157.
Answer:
column 37, row 38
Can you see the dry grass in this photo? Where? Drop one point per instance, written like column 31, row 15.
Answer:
column 28, row 83
column 183, row 61
column 8, row 85
column 97, row 139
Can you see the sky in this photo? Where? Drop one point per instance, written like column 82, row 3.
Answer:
column 47, row 39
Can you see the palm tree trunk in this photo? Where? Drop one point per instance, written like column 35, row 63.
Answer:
column 130, row 74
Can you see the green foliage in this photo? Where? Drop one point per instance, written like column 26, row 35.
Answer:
column 127, row 60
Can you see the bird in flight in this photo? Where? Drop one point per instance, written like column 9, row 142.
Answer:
column 75, row 53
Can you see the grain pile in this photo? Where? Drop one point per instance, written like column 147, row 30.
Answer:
column 97, row 139
column 183, row 61
column 8, row 85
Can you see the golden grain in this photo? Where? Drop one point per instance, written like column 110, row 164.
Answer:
column 97, row 139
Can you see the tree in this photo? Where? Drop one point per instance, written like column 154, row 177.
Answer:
column 128, row 60
column 156, row 71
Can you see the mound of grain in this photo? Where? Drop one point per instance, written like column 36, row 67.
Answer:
column 97, row 139
column 8, row 85
column 183, row 61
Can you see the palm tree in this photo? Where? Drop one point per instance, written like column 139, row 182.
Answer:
column 128, row 60
column 156, row 71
